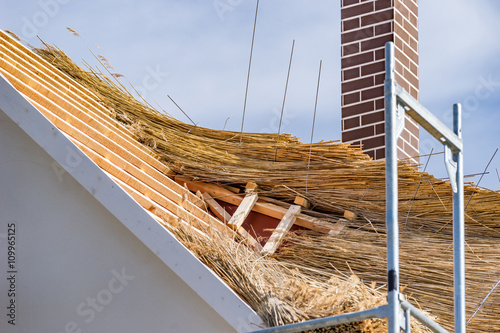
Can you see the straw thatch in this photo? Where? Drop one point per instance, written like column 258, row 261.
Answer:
column 338, row 177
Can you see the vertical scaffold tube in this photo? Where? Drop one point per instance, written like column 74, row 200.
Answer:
column 458, row 229
column 391, row 164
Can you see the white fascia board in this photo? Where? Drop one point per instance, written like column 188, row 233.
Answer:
column 159, row 240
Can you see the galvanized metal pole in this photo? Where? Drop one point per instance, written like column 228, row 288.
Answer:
column 378, row 312
column 391, row 164
column 458, row 229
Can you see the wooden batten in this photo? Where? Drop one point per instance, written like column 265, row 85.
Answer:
column 303, row 202
column 251, row 187
column 224, row 216
column 265, row 208
column 243, row 210
column 280, row 232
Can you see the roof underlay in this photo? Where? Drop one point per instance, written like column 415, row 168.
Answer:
column 162, row 163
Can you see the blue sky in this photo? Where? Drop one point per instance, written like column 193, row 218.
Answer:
column 197, row 52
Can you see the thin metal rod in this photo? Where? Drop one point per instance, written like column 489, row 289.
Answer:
column 378, row 312
column 458, row 229
column 481, row 178
column 483, row 301
column 284, row 99
column 421, row 317
column 391, row 171
column 181, row 110
column 418, row 186
column 408, row 321
column 314, row 122
column 248, row 74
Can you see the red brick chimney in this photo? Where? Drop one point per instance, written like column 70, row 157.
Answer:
column 366, row 26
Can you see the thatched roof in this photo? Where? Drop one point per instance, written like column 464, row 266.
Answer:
column 313, row 274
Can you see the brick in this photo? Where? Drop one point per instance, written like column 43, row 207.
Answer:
column 373, row 68
column 414, row 93
column 372, row 93
column 380, row 54
column 401, row 57
column 376, row 43
column 398, row 18
column 351, row 98
column 358, row 59
column 381, row 4
column 358, row 133
column 406, row 135
column 349, row 2
column 402, row 82
column 357, row 109
column 402, row 33
column 351, row 123
column 375, row 142
column 414, row 69
column 377, row 17
column 405, row 12
column 414, row 20
column 380, row 78
column 380, row 129
column 411, row 127
column 399, row 67
column 411, row 29
column 412, row 6
column 350, row 49
column 414, row 141
column 380, row 153
column 398, row 42
column 350, row 74
column 353, row 36
column 370, row 153
column 357, row 84
column 360, row 9
column 379, row 104
column 383, row 28
column 372, row 118
column 410, row 78
column 401, row 144
column 350, row 24
column 402, row 155
column 410, row 151
column 414, row 44
column 410, row 53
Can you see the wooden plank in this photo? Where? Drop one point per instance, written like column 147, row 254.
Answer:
column 217, row 209
column 302, row 202
column 349, row 215
column 283, row 227
column 265, row 208
column 243, row 210
column 160, row 200
column 106, row 158
column 232, row 188
column 337, row 227
column 222, row 214
column 251, row 187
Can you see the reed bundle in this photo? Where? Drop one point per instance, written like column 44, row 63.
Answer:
column 338, row 177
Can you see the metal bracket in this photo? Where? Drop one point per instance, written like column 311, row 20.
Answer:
column 400, row 119
column 451, row 167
